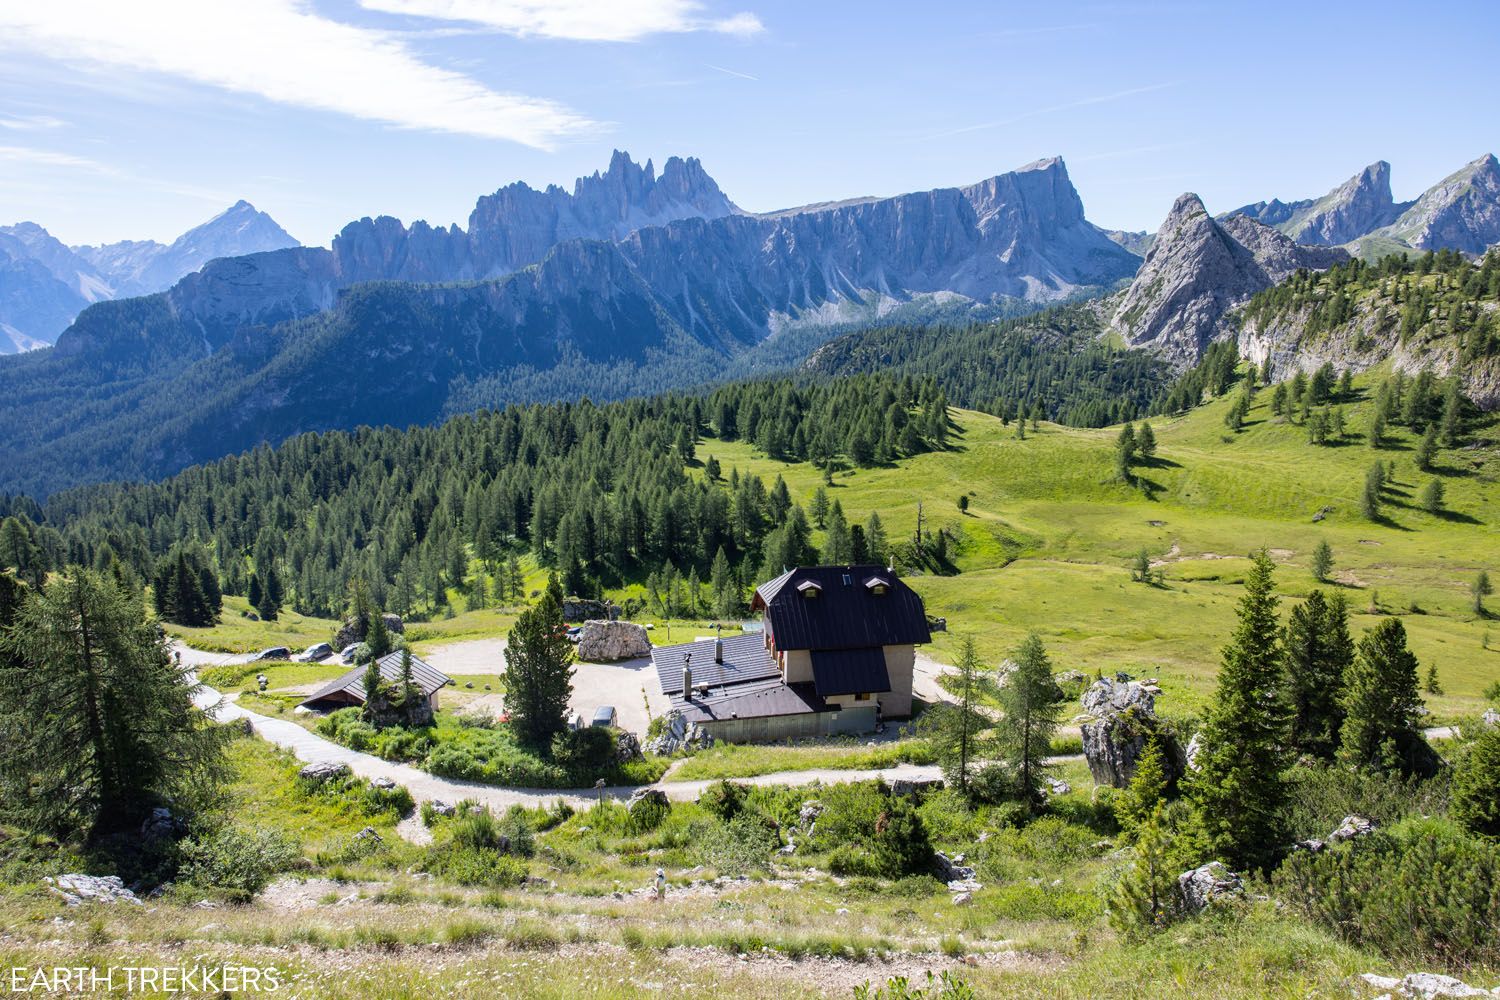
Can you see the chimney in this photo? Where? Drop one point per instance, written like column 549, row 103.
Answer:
column 687, row 677
column 718, row 650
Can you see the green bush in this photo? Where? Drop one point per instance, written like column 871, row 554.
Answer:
column 587, row 750
column 474, row 866
column 738, row 847
column 1421, row 891
column 849, row 860
column 240, row 860
column 1476, row 784
column 1323, row 794
column 724, row 799
column 946, row 987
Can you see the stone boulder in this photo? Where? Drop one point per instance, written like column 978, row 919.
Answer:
column 323, row 770
column 1205, row 885
column 1121, row 720
column 162, row 825
column 578, row 609
column 627, row 747
column 1352, row 828
column 678, row 734
column 915, row 786
column 655, row 796
column 1490, row 718
column 78, row 889
column 1432, row 985
column 608, row 641
column 354, row 630
column 958, row 876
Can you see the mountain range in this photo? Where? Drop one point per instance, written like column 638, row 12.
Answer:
column 632, row 282
column 45, row 284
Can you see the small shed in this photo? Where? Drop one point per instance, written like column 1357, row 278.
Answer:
column 349, row 689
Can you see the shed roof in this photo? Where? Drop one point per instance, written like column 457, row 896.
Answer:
column 427, row 679
column 850, row 671
column 745, row 659
column 845, row 614
column 753, row 700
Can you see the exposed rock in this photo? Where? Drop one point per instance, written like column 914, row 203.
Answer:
column 1122, row 719
column 655, row 796
column 369, row 833
column 578, row 609
column 382, row 783
column 1355, row 208
column 1351, row 828
column 807, row 816
column 1197, row 271
column 1056, row 786
column 1462, row 211
column 677, row 734
column 354, row 630
column 1431, row 985
column 77, row 889
column 1190, row 755
column 627, row 747
column 953, row 871
column 162, row 825
column 323, row 770
column 915, row 786
column 608, row 641
column 1491, row 717
column 962, row 898
column 1203, row 886
column 441, row 808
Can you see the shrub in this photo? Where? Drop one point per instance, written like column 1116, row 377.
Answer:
column 738, row 847
column 946, row 987
column 901, row 845
column 586, row 750
column 241, row 860
column 1424, row 890
column 724, row 799
column 1321, row 795
column 476, row 866
column 847, row 859
column 647, row 814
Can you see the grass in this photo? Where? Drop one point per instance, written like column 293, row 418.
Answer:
column 728, row 760
column 238, row 633
column 1049, row 534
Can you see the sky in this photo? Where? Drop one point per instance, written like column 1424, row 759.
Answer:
column 139, row 120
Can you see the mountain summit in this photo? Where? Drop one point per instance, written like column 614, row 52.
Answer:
column 1462, row 211
column 1355, row 208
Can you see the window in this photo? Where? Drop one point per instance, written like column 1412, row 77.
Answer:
column 847, row 580
column 862, row 696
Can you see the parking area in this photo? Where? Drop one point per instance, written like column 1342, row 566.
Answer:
column 629, row 685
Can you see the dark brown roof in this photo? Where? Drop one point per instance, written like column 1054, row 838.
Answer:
column 745, row 659
column 425, row 677
column 846, row 614
column 850, row 671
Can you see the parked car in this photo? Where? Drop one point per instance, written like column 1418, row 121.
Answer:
column 274, row 653
column 575, row 721
column 604, row 716
column 350, row 653
column 316, row 652
column 574, row 632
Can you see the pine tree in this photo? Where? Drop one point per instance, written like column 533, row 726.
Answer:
column 1239, row 791
column 1382, row 706
column 1478, row 591
column 820, row 507
column 1028, row 702
column 1476, row 784
column 1147, row 791
column 875, row 539
column 836, row 547
column 1144, row 899
column 1318, row 652
column 1140, row 568
column 539, row 675
column 1431, row 497
column 1145, row 441
column 1427, row 449
column 1322, row 560
column 99, row 722
column 1450, row 425
column 378, row 637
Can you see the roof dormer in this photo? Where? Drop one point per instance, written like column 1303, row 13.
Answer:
column 877, row 585
column 810, row 589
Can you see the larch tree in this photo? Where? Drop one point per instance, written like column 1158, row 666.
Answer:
column 1239, row 791
column 99, row 720
column 960, row 732
column 1028, row 699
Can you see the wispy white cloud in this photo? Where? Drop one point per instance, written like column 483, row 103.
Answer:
column 281, row 51
column 1084, row 102
column 1115, row 154
column 578, row 20
column 30, row 123
column 49, row 158
column 732, row 72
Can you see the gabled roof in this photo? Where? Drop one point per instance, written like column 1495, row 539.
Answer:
column 850, row 671
column 847, row 613
column 754, row 700
column 426, row 678
column 745, row 659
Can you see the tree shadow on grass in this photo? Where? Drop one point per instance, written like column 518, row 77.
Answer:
column 1456, row 517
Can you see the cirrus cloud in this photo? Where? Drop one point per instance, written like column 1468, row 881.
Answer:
column 280, row 50
column 578, row 20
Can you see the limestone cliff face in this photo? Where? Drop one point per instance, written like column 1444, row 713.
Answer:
column 1199, row 269
column 1356, row 208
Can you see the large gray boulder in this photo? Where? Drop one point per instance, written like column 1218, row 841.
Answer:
column 607, row 641
column 78, row 889
column 678, row 734
column 355, row 629
column 579, row 609
column 1121, row 721
column 323, row 770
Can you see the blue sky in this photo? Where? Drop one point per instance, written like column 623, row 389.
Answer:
column 138, row 120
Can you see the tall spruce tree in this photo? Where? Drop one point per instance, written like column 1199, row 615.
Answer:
column 538, row 675
column 99, row 721
column 1383, row 705
column 1239, row 791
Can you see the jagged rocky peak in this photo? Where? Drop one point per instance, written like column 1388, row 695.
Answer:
column 1462, row 211
column 1040, row 194
column 1197, row 270
column 1355, row 208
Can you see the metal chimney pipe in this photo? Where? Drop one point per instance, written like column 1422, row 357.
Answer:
column 687, row 678
column 718, row 650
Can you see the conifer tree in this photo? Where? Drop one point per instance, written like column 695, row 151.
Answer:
column 378, row 637
column 1145, row 441
column 875, row 539
column 1431, row 497
column 1476, row 784
column 1147, row 791
column 1028, row 702
column 1426, row 449
column 836, row 548
column 1239, row 791
column 1382, row 706
column 1478, row 591
column 99, row 721
column 1144, row 899
column 959, row 731
column 1318, row 651
column 539, row 675
column 1322, row 560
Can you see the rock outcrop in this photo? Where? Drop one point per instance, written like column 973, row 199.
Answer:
column 354, row 630
column 678, row 734
column 606, row 642
column 1355, row 208
column 1121, row 721
column 1203, row 886
column 78, row 889
column 1197, row 270
column 1460, row 212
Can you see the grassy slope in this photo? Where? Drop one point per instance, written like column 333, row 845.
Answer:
column 1048, row 538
